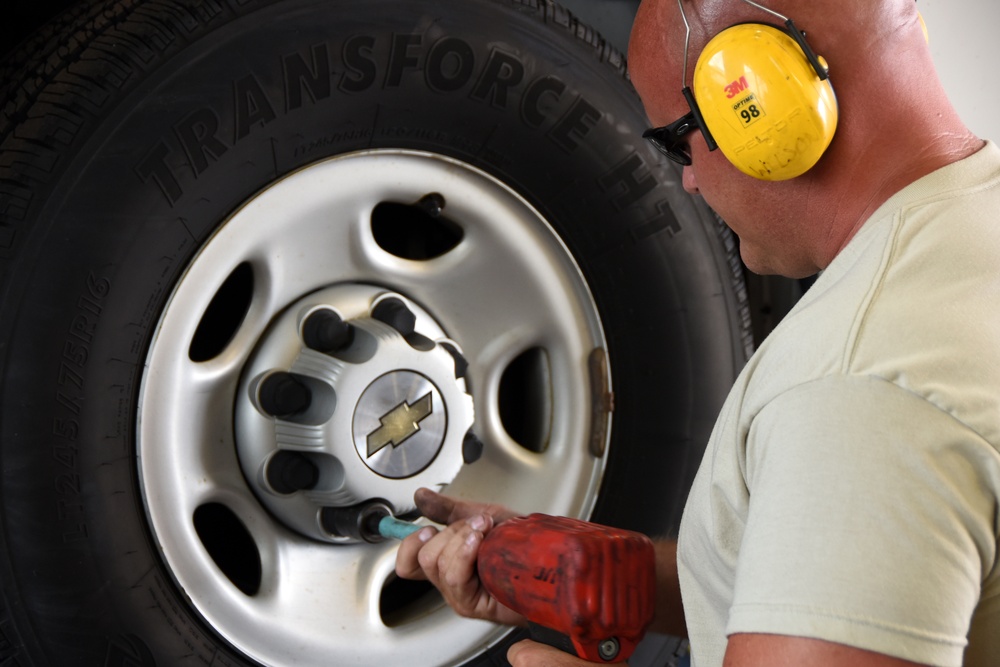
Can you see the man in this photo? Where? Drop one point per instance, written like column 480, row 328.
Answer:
column 847, row 511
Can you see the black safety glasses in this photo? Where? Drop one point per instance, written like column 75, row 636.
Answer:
column 669, row 139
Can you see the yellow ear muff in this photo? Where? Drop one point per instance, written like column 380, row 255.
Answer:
column 765, row 104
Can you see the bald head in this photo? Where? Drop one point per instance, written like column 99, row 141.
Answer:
column 896, row 124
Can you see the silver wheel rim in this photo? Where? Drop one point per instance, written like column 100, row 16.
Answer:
column 507, row 287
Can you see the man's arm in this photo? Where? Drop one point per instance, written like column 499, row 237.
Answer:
column 745, row 650
column 669, row 617
column 759, row 650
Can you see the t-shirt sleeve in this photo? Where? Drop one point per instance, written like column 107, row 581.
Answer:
column 872, row 521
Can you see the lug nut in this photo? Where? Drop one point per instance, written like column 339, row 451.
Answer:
column 394, row 312
column 432, row 204
column 472, row 448
column 288, row 472
column 359, row 522
column 282, row 395
column 325, row 331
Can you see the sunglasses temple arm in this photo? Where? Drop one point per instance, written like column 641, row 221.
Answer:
column 696, row 111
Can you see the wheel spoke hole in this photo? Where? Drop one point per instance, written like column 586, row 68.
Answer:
column 525, row 400
column 224, row 315
column 417, row 231
column 230, row 545
column 404, row 600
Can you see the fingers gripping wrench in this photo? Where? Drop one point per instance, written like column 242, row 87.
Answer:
column 585, row 588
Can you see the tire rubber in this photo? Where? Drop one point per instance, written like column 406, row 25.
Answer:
column 131, row 129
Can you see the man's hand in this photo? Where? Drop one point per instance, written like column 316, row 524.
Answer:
column 447, row 558
column 532, row 654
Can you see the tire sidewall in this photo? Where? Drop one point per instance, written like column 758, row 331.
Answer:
column 213, row 115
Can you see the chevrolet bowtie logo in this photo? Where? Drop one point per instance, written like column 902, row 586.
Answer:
column 399, row 424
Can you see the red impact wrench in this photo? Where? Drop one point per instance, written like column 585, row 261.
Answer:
column 584, row 588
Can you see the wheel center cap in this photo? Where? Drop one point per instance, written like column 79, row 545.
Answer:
column 353, row 395
column 399, row 424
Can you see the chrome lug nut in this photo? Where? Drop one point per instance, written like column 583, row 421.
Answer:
column 325, row 331
column 288, row 472
column 472, row 448
column 282, row 395
column 395, row 313
column 432, row 204
column 359, row 522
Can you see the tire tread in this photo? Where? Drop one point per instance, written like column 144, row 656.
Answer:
column 73, row 69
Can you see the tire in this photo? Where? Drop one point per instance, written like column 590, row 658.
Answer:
column 184, row 185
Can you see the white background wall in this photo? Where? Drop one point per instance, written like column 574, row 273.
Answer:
column 964, row 36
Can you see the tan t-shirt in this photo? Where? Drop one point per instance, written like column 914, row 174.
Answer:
column 850, row 490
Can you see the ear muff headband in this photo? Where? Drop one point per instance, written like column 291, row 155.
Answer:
column 761, row 96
